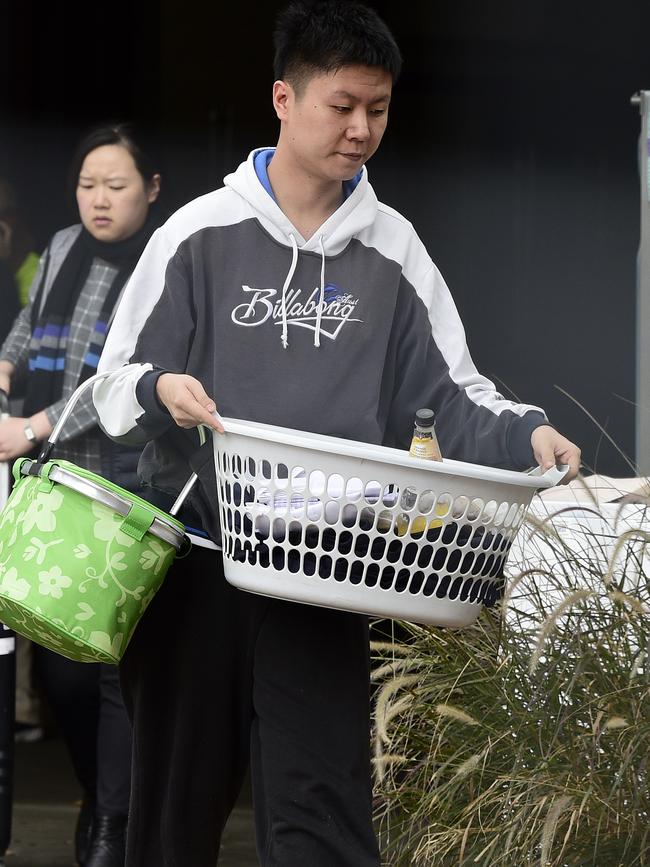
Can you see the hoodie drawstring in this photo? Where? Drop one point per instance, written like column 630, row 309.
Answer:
column 321, row 297
column 287, row 283
column 289, row 277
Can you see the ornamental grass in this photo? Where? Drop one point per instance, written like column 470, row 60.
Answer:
column 525, row 738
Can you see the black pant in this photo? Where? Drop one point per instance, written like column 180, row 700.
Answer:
column 214, row 676
column 87, row 704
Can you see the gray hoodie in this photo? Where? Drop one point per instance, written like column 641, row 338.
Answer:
column 347, row 333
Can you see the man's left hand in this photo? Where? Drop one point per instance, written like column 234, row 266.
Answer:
column 551, row 448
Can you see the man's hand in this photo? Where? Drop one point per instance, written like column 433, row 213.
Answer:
column 187, row 401
column 13, row 442
column 551, row 448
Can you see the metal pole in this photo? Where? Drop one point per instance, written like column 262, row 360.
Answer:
column 642, row 99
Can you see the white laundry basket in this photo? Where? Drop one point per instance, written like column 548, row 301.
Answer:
column 331, row 522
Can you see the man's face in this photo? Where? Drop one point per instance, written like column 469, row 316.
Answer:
column 335, row 123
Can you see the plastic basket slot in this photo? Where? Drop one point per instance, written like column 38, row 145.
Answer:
column 281, row 475
column 416, row 582
column 466, row 565
column 247, row 525
column 312, row 536
column 354, row 489
column 366, row 519
column 262, row 527
column 443, row 587
column 297, row 505
column 501, row 514
column 335, row 486
column 394, row 553
column 265, row 470
column 332, row 512
column 402, row 580
column 477, row 568
column 356, row 572
column 279, row 530
column 453, row 562
column 460, row 507
column 349, row 515
column 293, row 561
column 477, row 537
column 325, row 566
column 250, row 469
column 467, row 585
column 317, row 480
column 294, row 533
column 489, row 511
column 410, row 553
column 372, row 575
column 387, row 577
column 449, row 533
column 372, row 492
column 430, row 585
column 511, row 517
column 390, row 495
column 384, row 522
column 361, row 545
column 328, row 539
column 377, row 549
column 309, row 564
column 454, row 589
column 439, row 559
column 425, row 555
column 341, row 569
column 278, row 558
column 488, row 541
column 475, row 510
column 345, row 542
column 298, row 480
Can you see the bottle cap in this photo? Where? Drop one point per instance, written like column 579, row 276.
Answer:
column 425, row 418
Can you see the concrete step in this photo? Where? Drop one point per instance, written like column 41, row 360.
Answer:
column 46, row 804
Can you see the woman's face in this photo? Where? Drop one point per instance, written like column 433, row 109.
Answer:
column 112, row 196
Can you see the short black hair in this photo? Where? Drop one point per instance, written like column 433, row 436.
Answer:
column 321, row 36
column 135, row 141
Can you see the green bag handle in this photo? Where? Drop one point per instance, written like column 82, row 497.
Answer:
column 137, row 522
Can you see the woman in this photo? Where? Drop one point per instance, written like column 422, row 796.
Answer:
column 54, row 345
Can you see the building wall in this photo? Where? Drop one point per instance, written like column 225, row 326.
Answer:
column 511, row 147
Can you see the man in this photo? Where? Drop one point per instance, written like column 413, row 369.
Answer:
column 291, row 296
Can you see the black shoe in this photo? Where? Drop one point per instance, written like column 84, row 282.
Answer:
column 83, row 831
column 107, row 842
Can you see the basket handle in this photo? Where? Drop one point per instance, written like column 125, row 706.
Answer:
column 65, row 415
column 553, row 476
column 4, row 404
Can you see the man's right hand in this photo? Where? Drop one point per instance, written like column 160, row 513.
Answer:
column 187, row 401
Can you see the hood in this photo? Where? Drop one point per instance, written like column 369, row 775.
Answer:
column 356, row 213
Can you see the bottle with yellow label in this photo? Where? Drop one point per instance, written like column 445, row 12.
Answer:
column 425, row 442
column 423, row 445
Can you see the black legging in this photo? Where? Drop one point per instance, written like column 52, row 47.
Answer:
column 87, row 704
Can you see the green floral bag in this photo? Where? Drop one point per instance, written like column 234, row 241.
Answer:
column 75, row 573
column 80, row 557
